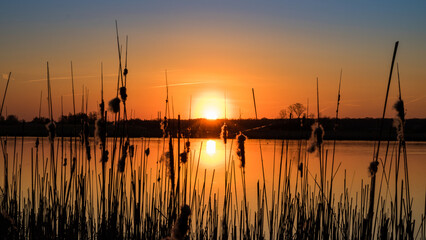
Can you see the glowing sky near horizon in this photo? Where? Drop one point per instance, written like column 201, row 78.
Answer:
column 210, row 48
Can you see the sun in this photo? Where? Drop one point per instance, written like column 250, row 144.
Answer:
column 211, row 114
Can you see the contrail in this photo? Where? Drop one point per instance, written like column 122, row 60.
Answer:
column 68, row 77
column 181, row 84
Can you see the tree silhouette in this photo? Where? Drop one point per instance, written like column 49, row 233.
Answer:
column 298, row 109
column 283, row 113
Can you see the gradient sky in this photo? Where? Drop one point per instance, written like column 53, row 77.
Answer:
column 212, row 47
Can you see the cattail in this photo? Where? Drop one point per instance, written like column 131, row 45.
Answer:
column 184, row 157
column 373, row 167
column 122, row 161
column 125, row 72
column 123, row 94
column 114, row 105
column 100, row 131
column 171, row 164
column 224, row 133
column 316, row 138
column 166, row 159
column 241, row 138
column 181, row 226
column 164, row 126
column 300, row 168
column 51, row 128
column 104, row 157
column 187, row 146
column 399, row 107
column 65, row 162
column 398, row 122
column 147, row 151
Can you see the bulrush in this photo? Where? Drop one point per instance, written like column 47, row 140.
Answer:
column 114, row 105
column 184, row 157
column 373, row 167
column 51, row 128
column 398, row 122
column 169, row 161
column 316, row 138
column 181, row 226
column 185, row 153
column 224, row 133
column 241, row 138
column 123, row 94
column 104, row 157
column 164, row 126
column 399, row 107
column 122, row 161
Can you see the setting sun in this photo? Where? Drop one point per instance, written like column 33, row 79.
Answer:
column 210, row 114
column 209, row 105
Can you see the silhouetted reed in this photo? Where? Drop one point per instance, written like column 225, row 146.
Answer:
column 114, row 105
column 241, row 152
column 317, row 136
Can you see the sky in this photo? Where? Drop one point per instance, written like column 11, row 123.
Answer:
column 212, row 51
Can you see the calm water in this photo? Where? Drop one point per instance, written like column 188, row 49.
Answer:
column 353, row 156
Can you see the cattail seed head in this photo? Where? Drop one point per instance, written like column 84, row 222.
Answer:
column 122, row 161
column 51, row 128
column 373, row 167
column 184, row 157
column 224, row 133
column 181, row 226
column 399, row 107
column 164, row 126
column 123, row 94
column 125, row 72
column 114, row 105
column 241, row 138
column 316, row 138
column 104, row 157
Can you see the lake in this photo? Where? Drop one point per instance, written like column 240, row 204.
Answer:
column 352, row 159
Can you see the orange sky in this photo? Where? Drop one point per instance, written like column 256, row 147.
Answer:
column 211, row 49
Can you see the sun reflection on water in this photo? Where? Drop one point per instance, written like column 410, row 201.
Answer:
column 211, row 147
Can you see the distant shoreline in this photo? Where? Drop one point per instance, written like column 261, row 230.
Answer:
column 347, row 129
